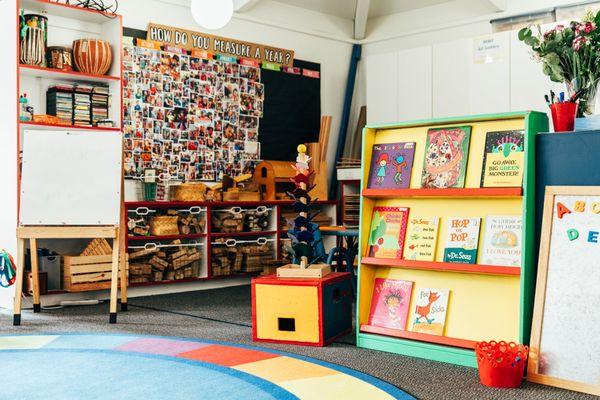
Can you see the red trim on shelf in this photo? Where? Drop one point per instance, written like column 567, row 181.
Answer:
column 442, row 266
column 83, row 9
column 450, row 192
column 422, row 337
column 167, row 204
column 61, row 126
column 61, row 74
column 236, row 234
column 167, row 237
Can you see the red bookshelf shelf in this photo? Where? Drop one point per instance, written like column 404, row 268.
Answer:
column 236, row 234
column 51, row 73
column 167, row 237
column 442, row 193
column 422, row 337
column 442, row 266
column 66, row 10
column 44, row 126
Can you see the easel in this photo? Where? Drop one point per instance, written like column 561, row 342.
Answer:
column 33, row 233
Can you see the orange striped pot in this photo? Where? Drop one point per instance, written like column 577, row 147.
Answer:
column 92, row 56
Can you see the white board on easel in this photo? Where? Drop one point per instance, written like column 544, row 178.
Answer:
column 565, row 334
column 71, row 178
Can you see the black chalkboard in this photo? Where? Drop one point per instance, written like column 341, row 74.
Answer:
column 292, row 108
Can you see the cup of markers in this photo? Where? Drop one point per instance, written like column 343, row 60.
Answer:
column 563, row 110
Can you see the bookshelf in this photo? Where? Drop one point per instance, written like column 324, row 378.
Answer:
column 486, row 301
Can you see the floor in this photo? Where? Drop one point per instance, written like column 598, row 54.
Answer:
column 224, row 314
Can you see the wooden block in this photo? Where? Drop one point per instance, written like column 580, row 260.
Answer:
column 294, row 271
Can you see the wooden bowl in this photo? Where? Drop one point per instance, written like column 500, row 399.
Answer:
column 92, row 56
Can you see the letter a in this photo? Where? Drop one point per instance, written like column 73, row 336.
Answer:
column 561, row 210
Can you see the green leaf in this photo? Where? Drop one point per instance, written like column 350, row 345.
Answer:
column 524, row 33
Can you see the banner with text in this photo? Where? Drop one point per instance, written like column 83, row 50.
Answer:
column 191, row 40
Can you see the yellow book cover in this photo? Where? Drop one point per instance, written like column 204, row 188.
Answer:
column 421, row 239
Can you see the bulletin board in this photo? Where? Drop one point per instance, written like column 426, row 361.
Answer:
column 566, row 323
column 198, row 119
column 71, row 178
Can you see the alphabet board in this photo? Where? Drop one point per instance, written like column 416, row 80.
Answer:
column 71, row 178
column 566, row 322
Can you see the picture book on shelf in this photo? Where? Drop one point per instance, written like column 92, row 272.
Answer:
column 388, row 228
column 446, row 153
column 391, row 165
column 430, row 311
column 421, row 239
column 503, row 159
column 390, row 302
column 502, row 240
column 462, row 237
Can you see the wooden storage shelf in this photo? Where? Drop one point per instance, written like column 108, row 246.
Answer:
column 57, row 74
column 236, row 234
column 422, row 337
column 44, row 126
column 442, row 266
column 442, row 193
column 167, row 237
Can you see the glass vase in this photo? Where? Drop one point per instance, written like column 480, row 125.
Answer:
column 587, row 100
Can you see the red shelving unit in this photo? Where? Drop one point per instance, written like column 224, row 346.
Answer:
column 442, row 193
column 422, row 337
column 44, row 126
column 240, row 234
column 442, row 266
column 167, row 237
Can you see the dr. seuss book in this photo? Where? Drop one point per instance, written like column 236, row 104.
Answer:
column 390, row 302
column 502, row 240
column 446, row 153
column 503, row 159
column 388, row 228
column 421, row 239
column 391, row 165
column 462, row 236
column 430, row 311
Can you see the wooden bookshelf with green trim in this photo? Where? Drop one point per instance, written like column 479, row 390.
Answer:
column 486, row 302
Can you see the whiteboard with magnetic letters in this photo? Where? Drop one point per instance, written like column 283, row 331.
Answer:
column 565, row 338
column 71, row 178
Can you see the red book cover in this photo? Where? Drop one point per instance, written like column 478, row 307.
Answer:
column 390, row 303
column 388, row 230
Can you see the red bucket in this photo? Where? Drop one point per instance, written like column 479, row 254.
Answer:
column 563, row 116
column 501, row 364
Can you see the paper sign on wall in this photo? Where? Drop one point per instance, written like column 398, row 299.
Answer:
column 488, row 49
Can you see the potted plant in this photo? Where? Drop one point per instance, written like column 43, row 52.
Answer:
column 570, row 54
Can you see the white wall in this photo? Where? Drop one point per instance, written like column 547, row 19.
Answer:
column 324, row 43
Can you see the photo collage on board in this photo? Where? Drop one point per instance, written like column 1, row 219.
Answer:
column 191, row 119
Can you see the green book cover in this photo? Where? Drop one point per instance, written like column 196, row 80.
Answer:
column 462, row 239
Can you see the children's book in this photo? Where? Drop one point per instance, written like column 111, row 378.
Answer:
column 462, row 237
column 388, row 228
column 390, row 302
column 446, row 153
column 503, row 159
column 430, row 311
column 502, row 240
column 421, row 239
column 391, row 165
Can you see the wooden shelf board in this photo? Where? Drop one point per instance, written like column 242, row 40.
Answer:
column 442, row 266
column 167, row 237
column 52, row 8
column 51, row 73
column 423, row 337
column 49, row 127
column 166, row 204
column 236, row 234
column 443, row 193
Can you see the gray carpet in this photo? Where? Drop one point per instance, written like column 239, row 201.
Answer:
column 224, row 314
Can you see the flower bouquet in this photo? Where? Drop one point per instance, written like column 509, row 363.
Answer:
column 570, row 54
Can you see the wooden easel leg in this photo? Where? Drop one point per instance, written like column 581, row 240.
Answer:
column 114, row 278
column 19, row 283
column 123, row 267
column 35, row 274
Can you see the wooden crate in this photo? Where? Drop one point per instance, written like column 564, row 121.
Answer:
column 83, row 273
column 294, row 271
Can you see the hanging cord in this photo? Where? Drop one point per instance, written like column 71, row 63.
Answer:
column 8, row 272
column 97, row 5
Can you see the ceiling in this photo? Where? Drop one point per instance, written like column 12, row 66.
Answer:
column 346, row 8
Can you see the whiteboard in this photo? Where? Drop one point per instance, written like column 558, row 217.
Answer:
column 71, row 178
column 566, row 327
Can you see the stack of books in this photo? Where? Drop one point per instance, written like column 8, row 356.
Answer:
column 99, row 104
column 82, row 110
column 59, row 102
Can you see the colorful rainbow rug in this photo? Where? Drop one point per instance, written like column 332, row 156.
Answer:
column 151, row 367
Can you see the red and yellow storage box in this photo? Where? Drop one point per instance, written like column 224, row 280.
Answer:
column 311, row 312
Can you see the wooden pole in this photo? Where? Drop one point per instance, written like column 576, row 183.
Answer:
column 35, row 275
column 19, row 282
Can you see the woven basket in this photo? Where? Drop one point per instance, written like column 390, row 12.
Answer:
column 164, row 225
column 187, row 192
